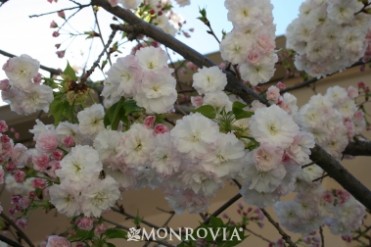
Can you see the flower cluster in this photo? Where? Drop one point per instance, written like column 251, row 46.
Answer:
column 145, row 77
column 82, row 188
column 324, row 19
column 22, row 90
column 210, row 83
column 335, row 208
column 274, row 166
column 251, row 43
column 333, row 118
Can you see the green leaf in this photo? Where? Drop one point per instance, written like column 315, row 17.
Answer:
column 239, row 112
column 120, row 112
column 82, row 235
column 61, row 110
column 69, row 73
column 207, row 110
column 115, row 233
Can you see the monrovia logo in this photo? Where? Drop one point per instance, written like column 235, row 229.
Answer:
column 185, row 233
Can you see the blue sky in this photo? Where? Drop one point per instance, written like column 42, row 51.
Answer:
column 22, row 35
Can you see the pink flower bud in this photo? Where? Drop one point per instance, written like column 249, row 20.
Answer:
column 46, row 142
column 61, row 14
column 55, row 34
column 197, row 101
column 21, row 222
column 3, row 126
column 53, row 24
column 192, row 66
column 39, row 183
column 85, row 223
column 161, row 129
column 4, row 84
column 99, row 229
column 57, row 241
column 57, row 154
column 37, row 78
column 273, row 94
column 19, row 176
column 61, row 54
column 281, row 85
column 149, row 121
column 352, row 92
column 68, row 141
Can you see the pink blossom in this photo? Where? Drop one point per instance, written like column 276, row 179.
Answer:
column 57, row 241
column 197, row 101
column 46, row 142
column 192, row 66
column 161, row 129
column 99, row 229
column 4, row 84
column 68, row 141
column 57, row 154
column 53, row 24
column 21, row 222
column 3, row 126
column 55, row 34
column 39, row 183
column 149, row 121
column 273, row 94
column 352, row 92
column 61, row 54
column 52, row 167
column 61, row 14
column 19, row 176
column 85, row 223
column 253, row 56
column 37, row 78
column 281, row 85
column 40, row 162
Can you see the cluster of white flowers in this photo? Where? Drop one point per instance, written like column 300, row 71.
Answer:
column 274, row 166
column 82, row 190
column 251, row 43
column 335, row 208
column 210, row 83
column 145, row 77
column 333, row 118
column 343, row 35
column 22, row 90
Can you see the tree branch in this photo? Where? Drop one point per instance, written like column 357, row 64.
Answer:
column 358, row 148
column 321, row 157
column 341, row 175
column 18, row 230
column 10, row 241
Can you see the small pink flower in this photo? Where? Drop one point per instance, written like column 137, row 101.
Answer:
column 68, row 141
column 53, row 24
column 281, row 85
column 46, row 142
column 19, row 176
column 100, row 229
column 57, row 241
column 85, row 223
column 37, row 78
column 4, row 84
column 39, row 183
column 197, row 101
column 149, row 121
column 352, row 92
column 3, row 126
column 192, row 66
column 61, row 14
column 253, row 57
column 58, row 154
column 55, row 34
column 273, row 94
column 40, row 162
column 21, row 222
column 161, row 129
column 61, row 54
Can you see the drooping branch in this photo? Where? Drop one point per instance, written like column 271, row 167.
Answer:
column 321, row 157
column 341, row 175
column 18, row 230
column 9, row 241
column 358, row 148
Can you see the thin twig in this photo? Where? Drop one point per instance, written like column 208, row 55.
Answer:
column 19, row 231
column 258, row 235
column 10, row 241
column 284, row 235
column 65, row 9
column 322, row 236
column 223, row 207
